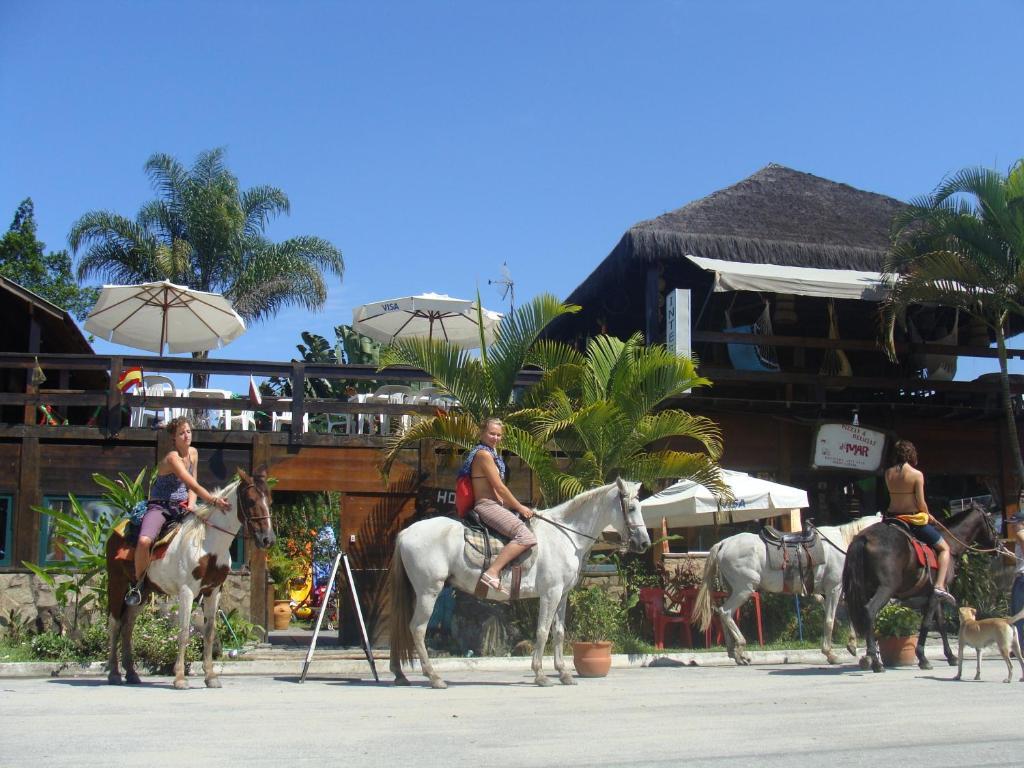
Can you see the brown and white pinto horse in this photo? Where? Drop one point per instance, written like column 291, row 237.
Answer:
column 196, row 562
column 881, row 564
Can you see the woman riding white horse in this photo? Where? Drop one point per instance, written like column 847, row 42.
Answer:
column 430, row 553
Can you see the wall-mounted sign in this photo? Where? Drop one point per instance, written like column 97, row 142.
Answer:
column 845, row 446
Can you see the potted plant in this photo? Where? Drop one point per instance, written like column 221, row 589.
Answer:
column 282, row 568
column 896, row 628
column 596, row 618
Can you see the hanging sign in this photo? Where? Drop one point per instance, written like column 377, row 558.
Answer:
column 845, row 446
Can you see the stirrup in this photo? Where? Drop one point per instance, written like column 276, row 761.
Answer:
column 134, row 596
column 944, row 595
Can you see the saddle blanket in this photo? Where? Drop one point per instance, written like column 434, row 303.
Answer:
column 925, row 555
column 126, row 551
column 797, row 563
column 483, row 546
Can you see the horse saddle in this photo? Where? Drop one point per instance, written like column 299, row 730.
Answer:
column 126, row 550
column 481, row 547
column 796, row 555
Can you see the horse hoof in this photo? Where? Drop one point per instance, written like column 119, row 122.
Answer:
column 436, row 682
column 831, row 658
column 132, row 678
column 403, row 680
column 113, row 679
column 543, row 681
column 213, row 682
column 864, row 662
column 181, row 685
column 924, row 664
column 566, row 678
column 877, row 666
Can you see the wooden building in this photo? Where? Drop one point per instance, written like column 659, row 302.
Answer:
column 774, row 282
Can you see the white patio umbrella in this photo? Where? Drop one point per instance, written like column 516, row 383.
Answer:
column 687, row 504
column 152, row 316
column 428, row 315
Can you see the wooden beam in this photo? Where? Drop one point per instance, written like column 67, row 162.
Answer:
column 26, row 521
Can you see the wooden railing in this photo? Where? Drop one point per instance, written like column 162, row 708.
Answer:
column 112, row 402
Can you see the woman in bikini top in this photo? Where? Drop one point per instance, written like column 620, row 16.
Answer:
column 905, row 483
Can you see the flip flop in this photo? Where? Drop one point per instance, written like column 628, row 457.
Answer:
column 492, row 583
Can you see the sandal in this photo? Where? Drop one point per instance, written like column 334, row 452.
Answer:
column 492, row 583
column 944, row 595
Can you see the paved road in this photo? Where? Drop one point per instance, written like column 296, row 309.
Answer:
column 768, row 715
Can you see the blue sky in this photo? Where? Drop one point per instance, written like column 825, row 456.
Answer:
column 434, row 141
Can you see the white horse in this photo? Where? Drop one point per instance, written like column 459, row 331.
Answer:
column 429, row 554
column 196, row 563
column 742, row 562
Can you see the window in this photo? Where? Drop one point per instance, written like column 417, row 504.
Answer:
column 6, row 529
column 49, row 544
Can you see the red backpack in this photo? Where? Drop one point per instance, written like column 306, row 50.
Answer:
column 465, row 499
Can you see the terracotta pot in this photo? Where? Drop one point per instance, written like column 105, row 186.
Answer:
column 282, row 614
column 592, row 659
column 898, row 651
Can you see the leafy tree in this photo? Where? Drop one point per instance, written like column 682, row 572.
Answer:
column 484, row 384
column 24, row 260
column 604, row 413
column 596, row 409
column 963, row 246
column 204, row 232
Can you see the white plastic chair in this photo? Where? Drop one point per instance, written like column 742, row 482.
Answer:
column 280, row 418
column 153, row 386
column 223, row 414
column 246, row 420
column 395, row 394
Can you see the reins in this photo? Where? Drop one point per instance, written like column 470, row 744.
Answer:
column 564, row 527
column 247, row 519
column 998, row 549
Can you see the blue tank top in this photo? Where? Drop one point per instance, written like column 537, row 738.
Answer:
column 170, row 488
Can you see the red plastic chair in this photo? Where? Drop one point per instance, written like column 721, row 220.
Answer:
column 653, row 599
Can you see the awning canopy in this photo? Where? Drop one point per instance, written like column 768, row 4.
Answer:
column 803, row 281
column 686, row 503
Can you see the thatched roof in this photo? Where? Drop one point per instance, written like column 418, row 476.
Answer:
column 777, row 216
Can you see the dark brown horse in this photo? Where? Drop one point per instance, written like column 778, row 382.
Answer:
column 881, row 564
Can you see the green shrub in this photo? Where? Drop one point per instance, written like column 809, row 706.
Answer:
column 975, row 585
column 595, row 615
column 155, row 641
column 93, row 643
column 895, row 620
column 51, row 646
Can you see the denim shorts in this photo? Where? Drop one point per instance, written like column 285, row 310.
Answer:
column 926, row 533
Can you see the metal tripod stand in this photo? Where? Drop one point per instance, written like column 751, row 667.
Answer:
column 341, row 557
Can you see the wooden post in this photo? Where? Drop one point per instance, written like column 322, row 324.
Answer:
column 29, row 494
column 298, row 405
column 790, row 521
column 260, row 598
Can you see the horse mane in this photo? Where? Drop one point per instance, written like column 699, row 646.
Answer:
column 962, row 515
column 567, row 508
column 849, row 530
column 193, row 530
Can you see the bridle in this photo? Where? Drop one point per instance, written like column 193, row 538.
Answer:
column 623, row 505
column 245, row 505
column 986, row 519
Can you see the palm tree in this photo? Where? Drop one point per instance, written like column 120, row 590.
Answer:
column 963, row 247
column 484, row 385
column 605, row 414
column 595, row 409
column 204, row 232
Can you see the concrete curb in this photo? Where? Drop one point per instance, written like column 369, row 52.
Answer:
column 327, row 663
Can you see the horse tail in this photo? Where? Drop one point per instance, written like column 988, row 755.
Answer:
column 854, row 588
column 703, row 613
column 401, row 611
